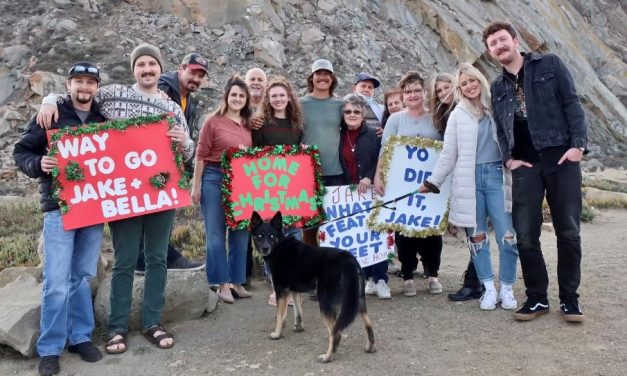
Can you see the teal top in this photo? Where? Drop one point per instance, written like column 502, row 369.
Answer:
column 322, row 128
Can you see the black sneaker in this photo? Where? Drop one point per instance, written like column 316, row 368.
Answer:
column 49, row 365
column 571, row 311
column 87, row 351
column 183, row 264
column 532, row 309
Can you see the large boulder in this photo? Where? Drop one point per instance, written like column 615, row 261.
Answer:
column 19, row 318
column 186, row 298
column 10, row 275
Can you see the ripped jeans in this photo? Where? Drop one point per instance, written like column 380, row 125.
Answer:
column 491, row 203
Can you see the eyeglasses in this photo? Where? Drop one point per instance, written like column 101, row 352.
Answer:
column 355, row 112
column 78, row 69
column 415, row 91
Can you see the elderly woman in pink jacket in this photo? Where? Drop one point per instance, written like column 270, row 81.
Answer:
column 481, row 185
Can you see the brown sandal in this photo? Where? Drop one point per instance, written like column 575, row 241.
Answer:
column 150, row 336
column 115, row 342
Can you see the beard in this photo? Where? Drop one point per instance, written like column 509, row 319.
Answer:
column 83, row 98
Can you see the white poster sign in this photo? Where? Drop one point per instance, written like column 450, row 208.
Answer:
column 350, row 231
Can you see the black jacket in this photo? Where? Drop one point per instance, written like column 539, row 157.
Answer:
column 33, row 144
column 554, row 114
column 366, row 149
column 169, row 83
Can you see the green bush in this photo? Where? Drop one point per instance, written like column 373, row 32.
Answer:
column 20, row 227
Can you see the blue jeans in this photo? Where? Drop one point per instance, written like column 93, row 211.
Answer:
column 71, row 260
column 491, row 203
column 220, row 267
column 377, row 272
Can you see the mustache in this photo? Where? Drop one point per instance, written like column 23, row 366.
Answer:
column 504, row 49
column 146, row 74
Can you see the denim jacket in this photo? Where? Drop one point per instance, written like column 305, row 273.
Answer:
column 554, row 114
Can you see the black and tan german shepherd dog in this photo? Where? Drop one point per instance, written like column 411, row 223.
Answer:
column 296, row 267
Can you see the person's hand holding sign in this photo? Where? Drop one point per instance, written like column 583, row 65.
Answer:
column 48, row 163
column 178, row 134
column 364, row 185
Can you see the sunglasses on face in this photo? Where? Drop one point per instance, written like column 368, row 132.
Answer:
column 348, row 112
column 77, row 69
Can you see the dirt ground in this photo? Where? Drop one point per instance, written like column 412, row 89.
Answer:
column 422, row 335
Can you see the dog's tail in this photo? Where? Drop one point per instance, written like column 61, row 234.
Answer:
column 351, row 302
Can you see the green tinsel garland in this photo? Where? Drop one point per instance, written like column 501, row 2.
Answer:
column 74, row 172
column 385, row 160
column 267, row 151
column 160, row 180
column 116, row 125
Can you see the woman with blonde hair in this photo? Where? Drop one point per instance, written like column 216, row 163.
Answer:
column 481, row 186
column 228, row 127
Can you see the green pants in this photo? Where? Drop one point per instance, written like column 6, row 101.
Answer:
column 127, row 234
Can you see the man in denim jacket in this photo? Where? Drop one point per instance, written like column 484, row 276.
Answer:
column 542, row 133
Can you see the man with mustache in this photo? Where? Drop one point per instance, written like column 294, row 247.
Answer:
column 256, row 81
column 323, row 115
column 179, row 86
column 122, row 102
column 71, row 257
column 542, row 135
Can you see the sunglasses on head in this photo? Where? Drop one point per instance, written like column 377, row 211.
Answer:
column 78, row 69
column 348, row 112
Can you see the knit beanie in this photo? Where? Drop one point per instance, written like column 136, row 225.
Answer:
column 145, row 49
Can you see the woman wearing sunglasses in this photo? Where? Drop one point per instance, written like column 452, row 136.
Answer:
column 359, row 153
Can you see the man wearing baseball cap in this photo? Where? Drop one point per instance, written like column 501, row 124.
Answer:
column 71, row 257
column 365, row 86
column 122, row 102
column 323, row 115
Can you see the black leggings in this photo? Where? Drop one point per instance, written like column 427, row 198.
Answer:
column 429, row 249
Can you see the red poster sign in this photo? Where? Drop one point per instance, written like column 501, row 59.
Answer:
column 270, row 179
column 116, row 170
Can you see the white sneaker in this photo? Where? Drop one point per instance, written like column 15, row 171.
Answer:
column 370, row 287
column 488, row 300
column 408, row 288
column 383, row 291
column 506, row 296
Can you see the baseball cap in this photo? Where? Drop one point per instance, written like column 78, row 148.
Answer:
column 363, row 76
column 195, row 61
column 321, row 64
column 84, row 68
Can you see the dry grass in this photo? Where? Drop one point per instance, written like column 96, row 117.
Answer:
column 20, row 226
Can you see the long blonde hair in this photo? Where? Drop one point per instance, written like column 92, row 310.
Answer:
column 486, row 102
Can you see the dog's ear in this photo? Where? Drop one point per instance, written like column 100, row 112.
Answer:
column 277, row 221
column 255, row 220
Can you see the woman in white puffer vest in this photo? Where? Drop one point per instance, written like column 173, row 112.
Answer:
column 481, row 185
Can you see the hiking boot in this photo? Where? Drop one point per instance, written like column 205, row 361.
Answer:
column 382, row 289
column 531, row 309
column 49, row 365
column 370, row 287
column 488, row 300
column 506, row 297
column 408, row 288
column 472, row 288
column 87, row 351
column 571, row 311
column 183, row 264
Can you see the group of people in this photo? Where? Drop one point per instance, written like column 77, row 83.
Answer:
column 506, row 146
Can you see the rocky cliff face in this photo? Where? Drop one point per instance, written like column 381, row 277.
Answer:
column 385, row 37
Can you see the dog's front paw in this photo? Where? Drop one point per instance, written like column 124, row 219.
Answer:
column 299, row 328
column 276, row 335
column 324, row 358
column 370, row 348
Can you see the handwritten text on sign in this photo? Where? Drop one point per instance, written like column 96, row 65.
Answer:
column 117, row 166
column 352, row 234
column 417, row 215
column 272, row 183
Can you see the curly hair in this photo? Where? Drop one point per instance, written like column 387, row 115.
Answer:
column 497, row 26
column 410, row 78
column 390, row 93
column 293, row 110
